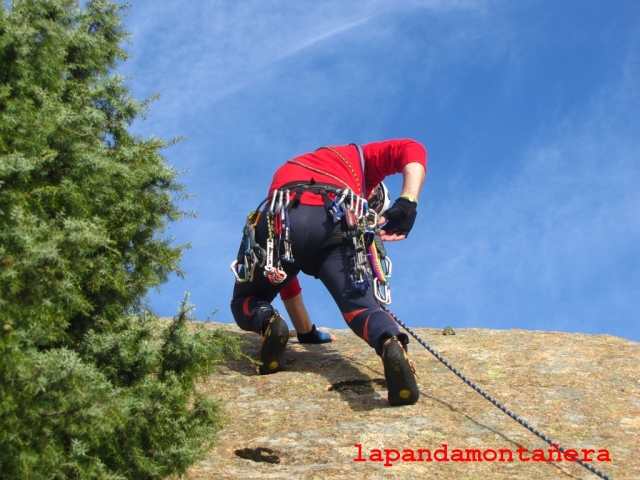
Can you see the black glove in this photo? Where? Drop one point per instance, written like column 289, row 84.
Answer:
column 400, row 217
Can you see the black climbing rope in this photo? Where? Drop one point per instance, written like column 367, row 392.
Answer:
column 491, row 399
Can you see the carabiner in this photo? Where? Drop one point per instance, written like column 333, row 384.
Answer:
column 288, row 197
column 371, row 216
column 278, row 207
column 386, row 265
column 273, row 201
column 382, row 291
column 337, row 209
column 239, row 279
column 359, row 207
column 281, row 207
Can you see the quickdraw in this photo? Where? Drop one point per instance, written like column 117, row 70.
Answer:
column 278, row 244
column 337, row 209
column 250, row 254
column 381, row 265
column 277, row 237
column 381, row 273
column 360, row 268
column 286, row 231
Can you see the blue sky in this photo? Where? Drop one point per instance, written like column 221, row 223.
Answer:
column 530, row 111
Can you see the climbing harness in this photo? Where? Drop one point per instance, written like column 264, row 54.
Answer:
column 491, row 399
column 370, row 266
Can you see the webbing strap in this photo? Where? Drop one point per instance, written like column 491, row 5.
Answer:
column 318, row 188
column 379, row 244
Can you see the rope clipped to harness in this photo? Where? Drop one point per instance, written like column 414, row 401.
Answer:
column 491, row 399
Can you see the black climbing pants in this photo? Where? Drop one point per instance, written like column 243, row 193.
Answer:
column 311, row 228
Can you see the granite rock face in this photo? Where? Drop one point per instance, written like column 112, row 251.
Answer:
column 329, row 409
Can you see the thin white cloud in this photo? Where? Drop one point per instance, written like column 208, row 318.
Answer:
column 321, row 37
column 199, row 53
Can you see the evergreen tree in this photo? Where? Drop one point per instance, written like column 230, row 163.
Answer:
column 92, row 385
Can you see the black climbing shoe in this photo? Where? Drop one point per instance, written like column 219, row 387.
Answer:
column 314, row 336
column 401, row 380
column 274, row 341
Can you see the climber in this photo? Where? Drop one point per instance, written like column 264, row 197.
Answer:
column 317, row 219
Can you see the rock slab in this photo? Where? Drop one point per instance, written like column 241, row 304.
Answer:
column 582, row 391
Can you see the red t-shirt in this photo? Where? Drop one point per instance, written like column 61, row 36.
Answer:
column 341, row 165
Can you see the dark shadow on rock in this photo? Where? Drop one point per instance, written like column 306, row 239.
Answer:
column 359, row 387
column 259, row 454
column 325, row 360
column 355, row 387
